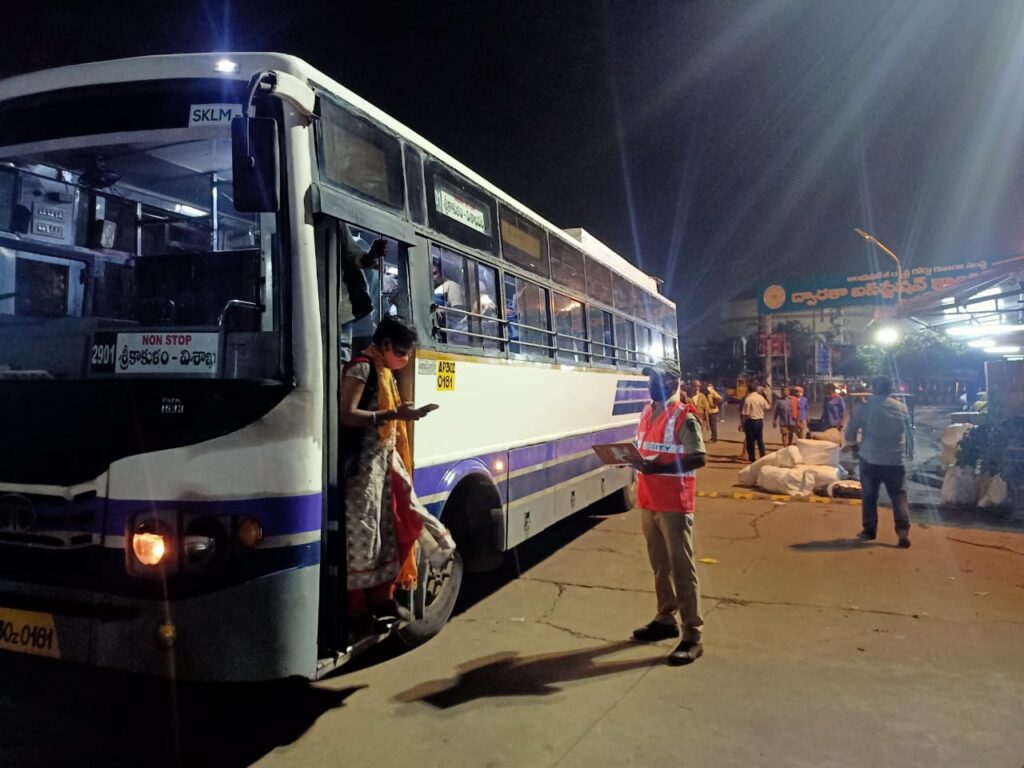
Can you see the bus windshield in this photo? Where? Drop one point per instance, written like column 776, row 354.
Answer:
column 127, row 259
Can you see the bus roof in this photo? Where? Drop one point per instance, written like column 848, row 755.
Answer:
column 202, row 65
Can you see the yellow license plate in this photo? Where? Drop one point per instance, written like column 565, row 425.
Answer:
column 28, row 632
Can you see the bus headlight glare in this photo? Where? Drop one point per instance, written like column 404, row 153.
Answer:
column 149, row 548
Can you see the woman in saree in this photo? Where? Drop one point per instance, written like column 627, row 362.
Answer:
column 385, row 522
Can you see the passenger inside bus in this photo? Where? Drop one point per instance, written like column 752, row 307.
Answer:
column 448, row 294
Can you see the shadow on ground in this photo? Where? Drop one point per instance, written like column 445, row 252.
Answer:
column 507, row 674
column 532, row 552
column 55, row 714
column 838, row 545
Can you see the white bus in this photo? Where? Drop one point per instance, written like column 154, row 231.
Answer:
column 171, row 232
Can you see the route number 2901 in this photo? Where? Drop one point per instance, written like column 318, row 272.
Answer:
column 103, row 354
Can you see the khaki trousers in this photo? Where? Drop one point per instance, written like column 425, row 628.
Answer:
column 670, row 548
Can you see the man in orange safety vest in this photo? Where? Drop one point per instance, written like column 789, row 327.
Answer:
column 669, row 440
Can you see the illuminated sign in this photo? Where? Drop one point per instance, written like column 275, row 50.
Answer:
column 461, row 208
column 192, row 354
column 874, row 288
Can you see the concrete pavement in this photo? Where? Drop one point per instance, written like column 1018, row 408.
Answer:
column 819, row 651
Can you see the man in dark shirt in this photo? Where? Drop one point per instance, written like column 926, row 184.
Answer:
column 834, row 414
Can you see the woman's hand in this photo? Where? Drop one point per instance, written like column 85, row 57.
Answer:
column 406, row 412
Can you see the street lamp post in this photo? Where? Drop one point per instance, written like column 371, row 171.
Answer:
column 899, row 268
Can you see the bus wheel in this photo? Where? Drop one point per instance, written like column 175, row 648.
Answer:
column 620, row 501
column 440, row 590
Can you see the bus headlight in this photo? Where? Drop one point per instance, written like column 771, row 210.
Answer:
column 203, row 542
column 200, row 549
column 150, row 545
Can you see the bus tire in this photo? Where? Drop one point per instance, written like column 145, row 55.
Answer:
column 442, row 590
column 622, row 500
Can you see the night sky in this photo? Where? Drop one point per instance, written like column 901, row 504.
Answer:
column 718, row 145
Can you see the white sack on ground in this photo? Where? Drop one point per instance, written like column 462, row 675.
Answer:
column 958, row 487
column 818, row 474
column 787, row 457
column 951, row 435
column 819, row 452
column 782, row 480
column 829, row 435
column 996, row 495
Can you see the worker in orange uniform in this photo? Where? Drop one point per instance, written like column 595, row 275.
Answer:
column 669, row 440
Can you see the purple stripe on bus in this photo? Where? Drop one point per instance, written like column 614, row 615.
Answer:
column 438, row 478
column 433, row 479
column 630, row 395
column 529, row 456
column 278, row 515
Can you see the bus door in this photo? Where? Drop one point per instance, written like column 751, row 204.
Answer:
column 345, row 270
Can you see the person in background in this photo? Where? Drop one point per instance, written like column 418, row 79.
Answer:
column 884, row 426
column 833, row 415
column 369, row 262
column 669, row 440
column 385, row 522
column 715, row 403
column 755, row 406
column 699, row 401
column 784, row 418
column 802, row 412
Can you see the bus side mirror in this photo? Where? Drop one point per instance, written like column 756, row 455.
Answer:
column 255, row 165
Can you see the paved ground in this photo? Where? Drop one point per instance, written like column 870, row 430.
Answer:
column 820, row 651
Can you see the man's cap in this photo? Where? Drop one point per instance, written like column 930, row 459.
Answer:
column 669, row 367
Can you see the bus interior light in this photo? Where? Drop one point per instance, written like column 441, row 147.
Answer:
column 227, row 66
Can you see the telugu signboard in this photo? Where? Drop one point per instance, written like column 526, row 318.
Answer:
column 873, row 288
column 192, row 354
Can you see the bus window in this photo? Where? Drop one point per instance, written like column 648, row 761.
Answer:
column 526, row 309
column 625, row 340
column 601, row 336
column 599, row 281
column 670, row 348
column 524, row 243
column 359, row 156
column 388, row 283
column 414, row 183
column 570, row 324
column 451, row 289
column 646, row 349
column 465, row 295
column 485, row 303
column 567, row 266
column 622, row 292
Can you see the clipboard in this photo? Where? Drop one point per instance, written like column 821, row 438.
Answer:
column 619, row 454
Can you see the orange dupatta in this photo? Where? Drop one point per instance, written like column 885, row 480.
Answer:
column 394, row 434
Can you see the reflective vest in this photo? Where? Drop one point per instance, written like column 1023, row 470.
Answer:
column 657, row 436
